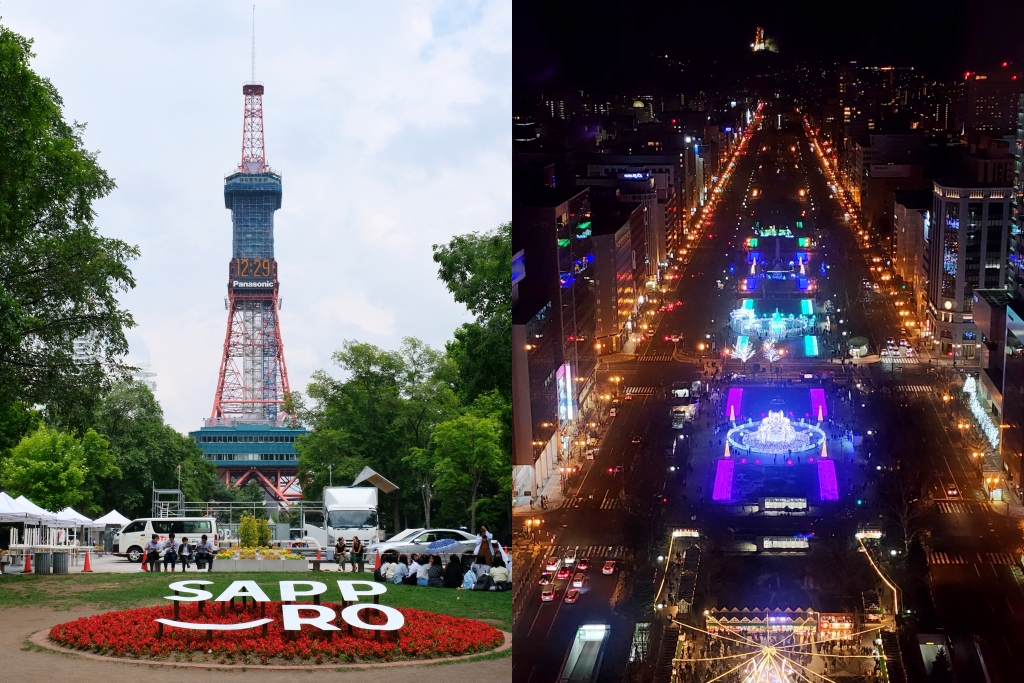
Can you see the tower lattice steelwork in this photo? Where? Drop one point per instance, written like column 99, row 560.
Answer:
column 253, row 379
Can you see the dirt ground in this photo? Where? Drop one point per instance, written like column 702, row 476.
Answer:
column 21, row 662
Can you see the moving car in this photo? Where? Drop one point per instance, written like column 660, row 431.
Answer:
column 569, row 558
column 563, row 574
column 609, row 567
column 572, row 596
column 627, row 397
column 952, row 491
column 636, row 439
column 553, row 564
column 578, row 579
column 547, row 595
column 613, row 412
column 583, row 564
column 545, row 579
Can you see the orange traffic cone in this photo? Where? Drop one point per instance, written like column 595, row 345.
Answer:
column 88, row 566
column 318, row 553
column 376, row 562
column 28, row 565
column 144, row 567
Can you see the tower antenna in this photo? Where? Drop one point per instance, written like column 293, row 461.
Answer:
column 253, row 79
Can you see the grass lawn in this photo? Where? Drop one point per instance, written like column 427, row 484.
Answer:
column 121, row 591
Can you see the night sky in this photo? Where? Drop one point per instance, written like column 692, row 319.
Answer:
column 567, row 43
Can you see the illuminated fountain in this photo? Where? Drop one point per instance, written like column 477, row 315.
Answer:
column 776, row 434
column 744, row 321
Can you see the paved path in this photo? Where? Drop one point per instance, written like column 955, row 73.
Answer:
column 20, row 664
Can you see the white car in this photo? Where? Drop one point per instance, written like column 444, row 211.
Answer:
column 570, row 558
column 417, row 540
column 553, row 564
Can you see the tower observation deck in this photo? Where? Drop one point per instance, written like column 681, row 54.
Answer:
column 248, row 406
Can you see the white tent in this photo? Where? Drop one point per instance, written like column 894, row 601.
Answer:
column 72, row 518
column 12, row 511
column 44, row 516
column 112, row 518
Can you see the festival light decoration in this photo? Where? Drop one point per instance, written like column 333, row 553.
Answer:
column 990, row 430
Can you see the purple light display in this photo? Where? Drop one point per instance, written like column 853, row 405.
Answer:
column 828, row 489
column 732, row 403
column 818, row 403
column 723, row 480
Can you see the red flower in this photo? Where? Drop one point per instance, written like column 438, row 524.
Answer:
column 133, row 633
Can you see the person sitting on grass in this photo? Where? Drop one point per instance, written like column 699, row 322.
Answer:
column 170, row 552
column 435, row 575
column 480, row 566
column 414, row 567
column 453, row 572
column 389, row 573
column 423, row 572
column 184, row 553
column 401, row 570
column 499, row 573
column 381, row 572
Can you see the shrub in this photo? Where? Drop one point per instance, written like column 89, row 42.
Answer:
column 248, row 532
column 263, row 532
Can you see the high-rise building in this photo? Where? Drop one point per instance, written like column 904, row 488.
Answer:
column 989, row 103
column 619, row 278
column 969, row 237
column 554, row 228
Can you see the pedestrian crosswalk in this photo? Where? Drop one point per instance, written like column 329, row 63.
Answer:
column 935, row 558
column 944, row 558
column 640, row 391
column 594, row 553
column 661, row 358
column 900, row 360
column 954, row 507
column 611, row 504
column 914, row 388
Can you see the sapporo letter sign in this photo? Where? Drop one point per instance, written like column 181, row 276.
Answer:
column 292, row 615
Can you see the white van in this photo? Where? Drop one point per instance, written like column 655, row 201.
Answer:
column 130, row 540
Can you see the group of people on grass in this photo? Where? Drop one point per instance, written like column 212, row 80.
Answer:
column 488, row 568
column 173, row 551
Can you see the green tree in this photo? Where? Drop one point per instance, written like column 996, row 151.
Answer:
column 16, row 420
column 477, row 269
column 470, row 452
column 146, row 450
column 100, row 470
column 355, row 422
column 47, row 467
column 59, row 278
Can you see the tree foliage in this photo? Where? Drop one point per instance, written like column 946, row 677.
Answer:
column 147, row 450
column 59, row 278
column 55, row 470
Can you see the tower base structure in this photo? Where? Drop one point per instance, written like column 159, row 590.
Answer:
column 244, row 452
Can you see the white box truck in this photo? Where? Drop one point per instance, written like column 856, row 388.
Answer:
column 351, row 511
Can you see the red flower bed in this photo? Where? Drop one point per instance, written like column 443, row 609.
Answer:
column 133, row 633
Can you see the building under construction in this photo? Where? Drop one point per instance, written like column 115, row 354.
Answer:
column 248, row 435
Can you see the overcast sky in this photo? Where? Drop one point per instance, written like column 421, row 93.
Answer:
column 388, row 121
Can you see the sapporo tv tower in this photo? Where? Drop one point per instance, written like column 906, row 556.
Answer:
column 248, row 434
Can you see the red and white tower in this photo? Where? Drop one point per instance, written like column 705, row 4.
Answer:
column 253, row 379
